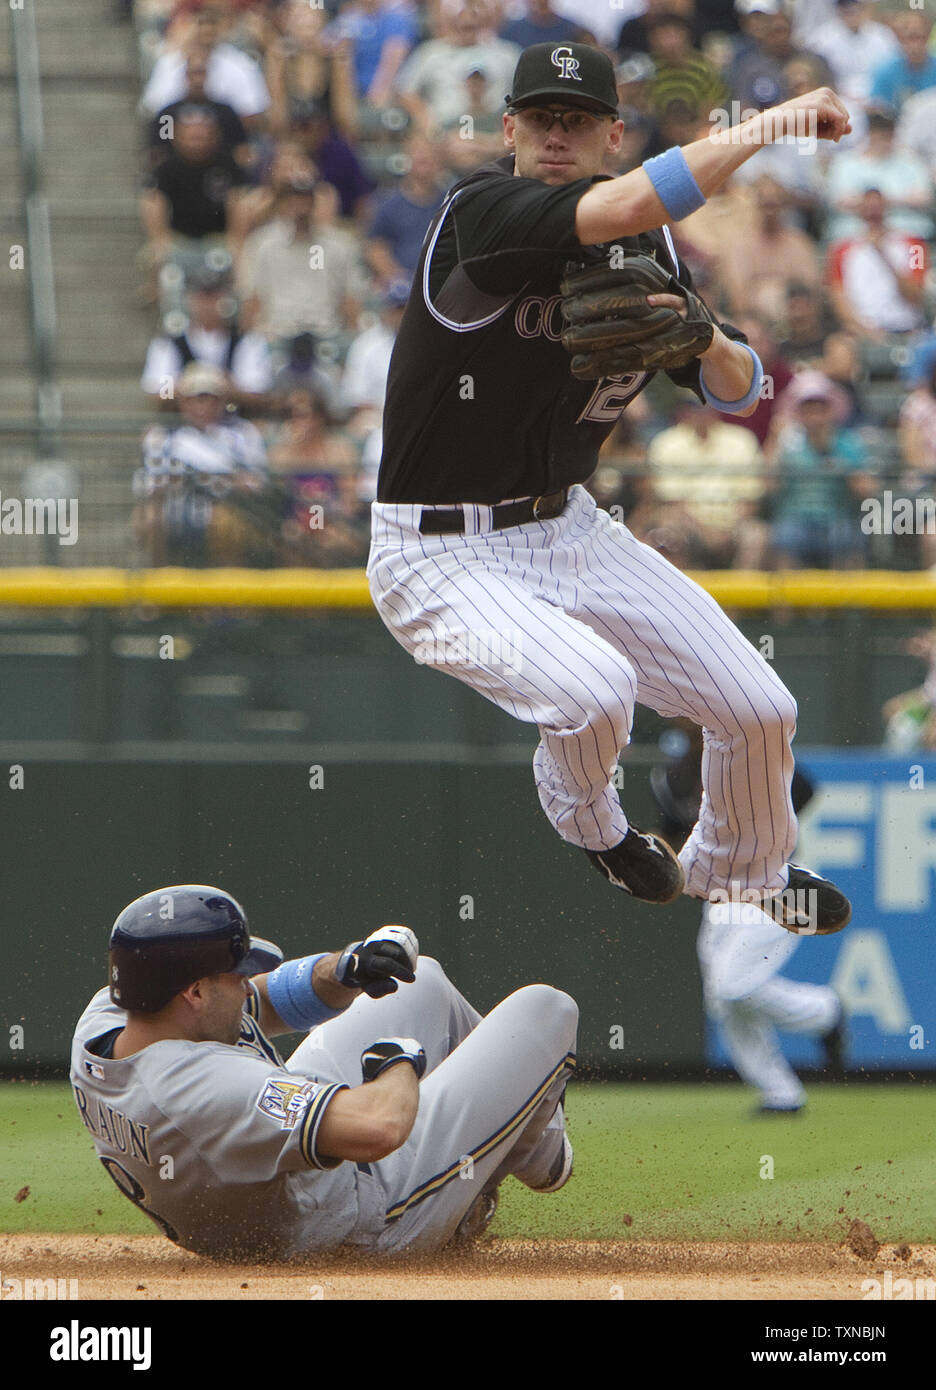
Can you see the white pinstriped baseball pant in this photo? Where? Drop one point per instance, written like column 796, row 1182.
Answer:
column 568, row 623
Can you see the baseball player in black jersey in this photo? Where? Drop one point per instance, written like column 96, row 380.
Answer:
column 489, row 558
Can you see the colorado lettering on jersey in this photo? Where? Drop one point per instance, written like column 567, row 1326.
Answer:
column 536, row 315
column 104, row 1122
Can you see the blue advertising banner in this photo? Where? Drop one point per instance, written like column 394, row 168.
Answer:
column 871, row 827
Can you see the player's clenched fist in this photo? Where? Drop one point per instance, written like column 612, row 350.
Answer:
column 375, row 964
column 386, row 1052
column 821, row 113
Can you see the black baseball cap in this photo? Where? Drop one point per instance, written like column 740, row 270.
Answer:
column 574, row 73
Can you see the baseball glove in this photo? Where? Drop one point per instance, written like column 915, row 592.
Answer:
column 611, row 329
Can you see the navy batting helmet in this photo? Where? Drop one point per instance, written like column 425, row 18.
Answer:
column 166, row 940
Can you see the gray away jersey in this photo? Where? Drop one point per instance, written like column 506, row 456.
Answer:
column 217, row 1143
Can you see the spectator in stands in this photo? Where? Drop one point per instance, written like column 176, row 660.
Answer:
column 203, row 481
column 191, row 201
column 728, row 217
column 820, row 470
column 642, row 138
column 710, row 475
column 333, row 156
column 757, row 74
column 477, row 135
column 299, row 275
column 232, row 135
column 877, row 279
column 681, row 74
column 808, row 321
column 802, row 73
column 233, row 77
column 212, row 336
column 758, row 270
column 298, row 62
column 904, row 182
column 364, row 382
column 307, row 444
column 284, row 164
column 910, row 717
column 540, row 24
column 921, row 359
column 913, row 69
column 915, row 128
column 308, row 365
column 917, row 434
column 241, row 23
column 813, row 339
column 431, row 82
column 809, row 16
column 634, row 35
column 401, row 219
column 854, row 45
column 380, row 36
column 783, row 160
column 326, row 523
column 842, row 364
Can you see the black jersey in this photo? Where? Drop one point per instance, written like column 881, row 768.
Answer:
column 481, row 403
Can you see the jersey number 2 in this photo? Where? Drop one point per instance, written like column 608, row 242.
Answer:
column 610, row 397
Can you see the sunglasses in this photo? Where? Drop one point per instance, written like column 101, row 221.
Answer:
column 572, row 122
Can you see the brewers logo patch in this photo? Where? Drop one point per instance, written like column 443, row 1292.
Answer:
column 284, row 1101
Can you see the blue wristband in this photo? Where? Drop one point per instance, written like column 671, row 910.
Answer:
column 734, row 407
column 675, row 186
column 293, row 995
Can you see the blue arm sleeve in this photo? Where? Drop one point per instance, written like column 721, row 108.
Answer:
column 293, row 995
column 734, row 407
column 674, row 183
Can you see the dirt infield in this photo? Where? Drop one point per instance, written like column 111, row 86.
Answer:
column 120, row 1267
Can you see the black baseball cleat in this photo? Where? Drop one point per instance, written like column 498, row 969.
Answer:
column 643, row 865
column 809, row 905
column 476, row 1219
column 834, row 1045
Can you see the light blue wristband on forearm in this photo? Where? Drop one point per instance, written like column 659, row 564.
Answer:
column 674, row 183
column 293, row 995
column 735, row 407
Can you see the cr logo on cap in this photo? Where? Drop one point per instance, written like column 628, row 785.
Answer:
column 568, row 66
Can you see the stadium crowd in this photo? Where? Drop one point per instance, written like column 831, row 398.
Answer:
column 282, row 138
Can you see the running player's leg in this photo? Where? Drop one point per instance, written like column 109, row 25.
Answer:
column 430, row 1009
column 752, row 1044
column 795, row 1006
column 453, row 602
column 740, row 949
column 740, row 954
column 488, row 1109
column 690, row 660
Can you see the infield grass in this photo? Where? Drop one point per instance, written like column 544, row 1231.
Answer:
column 682, row 1162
